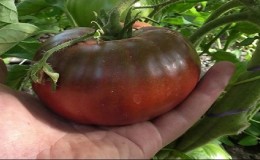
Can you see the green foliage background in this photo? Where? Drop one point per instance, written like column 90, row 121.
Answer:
column 24, row 24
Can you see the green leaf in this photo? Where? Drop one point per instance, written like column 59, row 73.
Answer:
column 197, row 18
column 248, row 141
column 222, row 55
column 177, row 21
column 24, row 50
column 256, row 117
column 57, row 3
column 211, row 150
column 181, row 7
column 247, row 28
column 16, row 75
column 12, row 34
column 214, row 4
column 241, row 67
column 168, row 153
column 225, row 140
column 254, row 129
column 234, row 34
column 50, row 72
column 8, row 12
column 28, row 7
column 247, row 41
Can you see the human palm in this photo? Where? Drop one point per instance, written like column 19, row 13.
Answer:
column 30, row 130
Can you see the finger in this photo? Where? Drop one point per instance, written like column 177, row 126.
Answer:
column 179, row 120
column 139, row 24
column 3, row 71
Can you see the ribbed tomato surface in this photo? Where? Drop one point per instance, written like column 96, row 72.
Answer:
column 121, row 81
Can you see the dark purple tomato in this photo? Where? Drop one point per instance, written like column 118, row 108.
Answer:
column 119, row 82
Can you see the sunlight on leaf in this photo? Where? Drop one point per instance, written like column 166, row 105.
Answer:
column 12, row 34
column 8, row 12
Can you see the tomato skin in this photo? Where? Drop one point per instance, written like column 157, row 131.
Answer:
column 120, row 82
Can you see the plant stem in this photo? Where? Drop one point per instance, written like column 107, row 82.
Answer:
column 223, row 9
column 64, row 45
column 238, row 17
column 254, row 63
column 112, row 26
column 157, row 7
column 72, row 20
column 124, row 5
column 249, row 3
column 42, row 65
column 208, row 45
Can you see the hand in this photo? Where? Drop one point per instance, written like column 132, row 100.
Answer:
column 29, row 130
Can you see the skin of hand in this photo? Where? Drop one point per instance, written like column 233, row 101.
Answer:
column 29, row 130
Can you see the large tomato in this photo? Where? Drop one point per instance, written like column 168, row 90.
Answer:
column 121, row 81
column 83, row 10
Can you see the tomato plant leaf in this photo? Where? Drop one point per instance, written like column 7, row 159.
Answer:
column 50, row 72
column 16, row 75
column 12, row 34
column 168, row 153
column 247, row 41
column 57, row 3
column 211, row 150
column 225, row 140
column 254, row 128
column 214, row 4
column 180, row 7
column 8, row 12
column 177, row 21
column 25, row 50
column 27, row 7
column 248, row 141
column 247, row 28
column 222, row 55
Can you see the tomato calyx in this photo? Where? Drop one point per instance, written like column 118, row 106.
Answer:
column 109, row 26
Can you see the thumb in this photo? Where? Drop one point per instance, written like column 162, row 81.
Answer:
column 3, row 71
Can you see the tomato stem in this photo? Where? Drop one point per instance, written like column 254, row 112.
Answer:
column 157, row 7
column 208, row 45
column 42, row 66
column 237, row 17
column 112, row 27
column 223, row 9
column 70, row 17
column 254, row 63
column 110, row 22
column 65, row 45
